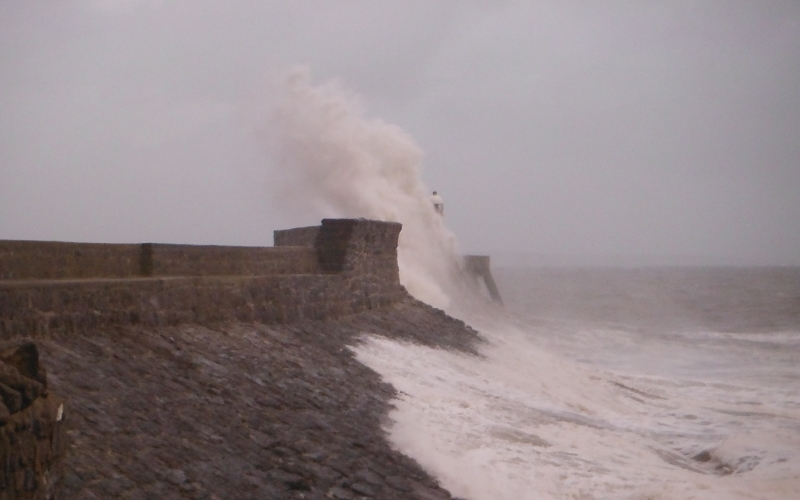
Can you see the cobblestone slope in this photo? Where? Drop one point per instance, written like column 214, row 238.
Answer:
column 239, row 411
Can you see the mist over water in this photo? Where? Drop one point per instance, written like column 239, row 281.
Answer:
column 335, row 161
column 668, row 384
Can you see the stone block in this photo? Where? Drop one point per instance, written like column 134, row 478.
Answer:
column 296, row 237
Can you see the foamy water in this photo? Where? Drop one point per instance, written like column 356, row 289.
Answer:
column 600, row 384
column 521, row 424
column 560, row 409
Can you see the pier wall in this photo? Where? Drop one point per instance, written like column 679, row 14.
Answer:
column 48, row 287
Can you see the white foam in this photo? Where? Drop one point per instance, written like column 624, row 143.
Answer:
column 526, row 420
column 523, row 423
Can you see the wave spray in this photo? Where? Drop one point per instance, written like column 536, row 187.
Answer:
column 335, row 161
column 557, row 406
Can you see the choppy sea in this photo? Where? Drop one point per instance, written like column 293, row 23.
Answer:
column 611, row 383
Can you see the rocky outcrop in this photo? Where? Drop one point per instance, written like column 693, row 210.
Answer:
column 32, row 434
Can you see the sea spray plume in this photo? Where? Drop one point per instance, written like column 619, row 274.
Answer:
column 334, row 161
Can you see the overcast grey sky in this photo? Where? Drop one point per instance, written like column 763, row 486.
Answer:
column 632, row 128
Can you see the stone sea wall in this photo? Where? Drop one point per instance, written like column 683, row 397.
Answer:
column 42, row 260
column 208, row 372
column 351, row 266
column 56, row 260
column 240, row 410
column 296, row 236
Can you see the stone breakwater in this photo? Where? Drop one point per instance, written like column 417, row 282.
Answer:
column 210, row 372
column 240, row 410
column 350, row 267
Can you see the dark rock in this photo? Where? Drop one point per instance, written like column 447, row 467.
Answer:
column 23, row 355
column 72, row 481
column 291, row 481
column 5, row 414
column 425, row 493
column 262, row 439
column 338, row 493
column 140, row 473
column 134, row 494
column 369, row 477
column 32, row 434
column 113, row 487
column 11, row 399
column 703, row 456
column 363, row 489
column 325, row 476
column 28, row 388
column 176, row 476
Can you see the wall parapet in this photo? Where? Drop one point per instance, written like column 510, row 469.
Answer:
column 28, row 260
column 350, row 267
column 296, row 236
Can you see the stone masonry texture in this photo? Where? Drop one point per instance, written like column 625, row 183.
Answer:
column 355, row 264
column 296, row 236
column 240, row 410
column 208, row 372
column 42, row 260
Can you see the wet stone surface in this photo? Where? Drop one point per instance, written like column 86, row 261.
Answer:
column 240, row 410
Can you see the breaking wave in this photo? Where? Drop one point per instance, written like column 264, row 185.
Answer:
column 333, row 160
column 552, row 409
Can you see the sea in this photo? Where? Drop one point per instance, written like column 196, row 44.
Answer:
column 663, row 383
column 668, row 383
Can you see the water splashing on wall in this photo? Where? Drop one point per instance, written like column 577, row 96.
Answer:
column 335, row 161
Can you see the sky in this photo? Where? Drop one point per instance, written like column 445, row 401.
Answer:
column 631, row 131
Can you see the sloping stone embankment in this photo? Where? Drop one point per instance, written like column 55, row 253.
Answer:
column 239, row 411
